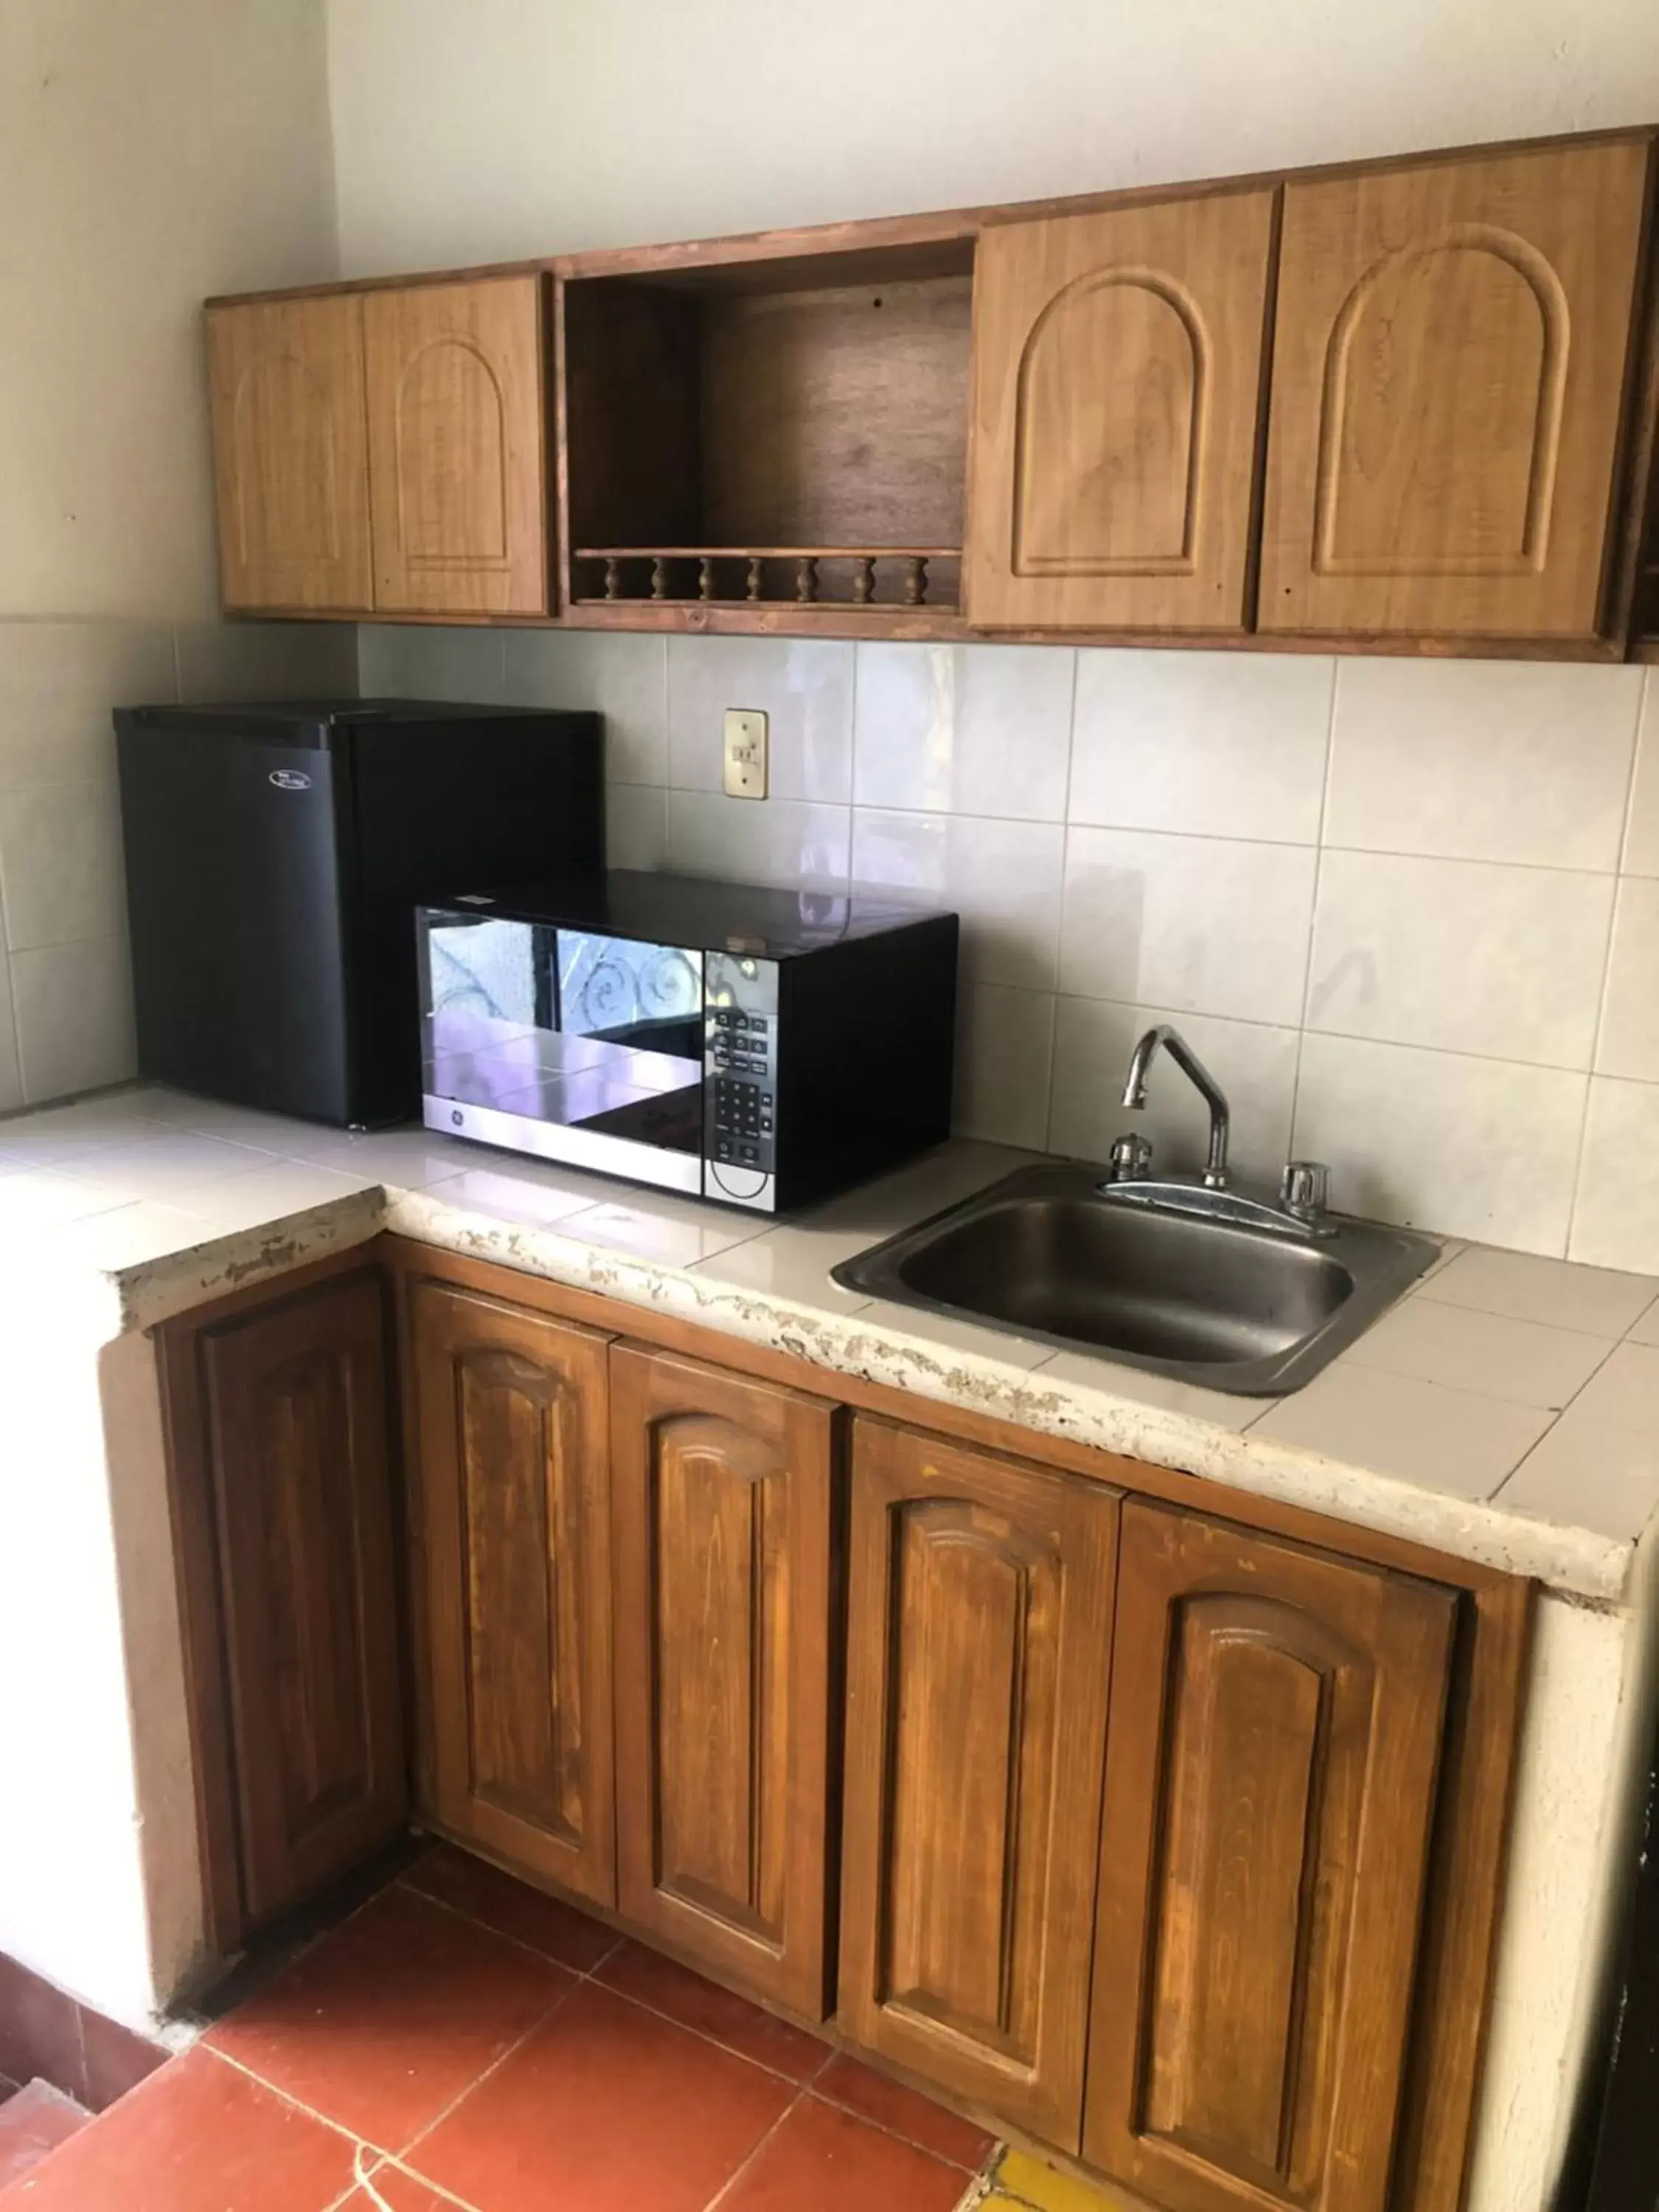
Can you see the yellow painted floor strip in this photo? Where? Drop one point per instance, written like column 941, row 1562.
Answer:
column 1023, row 2183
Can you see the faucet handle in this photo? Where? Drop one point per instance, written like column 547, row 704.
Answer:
column 1304, row 1188
column 1131, row 1159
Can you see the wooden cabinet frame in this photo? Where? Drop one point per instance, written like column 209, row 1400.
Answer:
column 776, row 259
column 1490, row 1652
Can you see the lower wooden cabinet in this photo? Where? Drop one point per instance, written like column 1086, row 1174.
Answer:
column 1126, row 1826
column 1276, row 1724
column 510, row 1521
column 722, row 1495
column 277, row 1424
column 980, row 1604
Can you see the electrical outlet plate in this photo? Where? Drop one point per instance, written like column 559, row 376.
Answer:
column 746, row 753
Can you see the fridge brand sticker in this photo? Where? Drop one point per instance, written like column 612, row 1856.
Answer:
column 288, row 779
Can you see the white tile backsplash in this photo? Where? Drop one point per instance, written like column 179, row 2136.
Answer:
column 1462, row 822
column 1461, row 955
column 60, row 863
column 609, row 674
column 1482, row 759
column 1615, row 1220
column 1003, row 877
column 1201, row 925
column 73, row 1007
column 969, row 729
column 1216, row 745
column 803, row 685
column 1005, row 1052
column 1479, row 1148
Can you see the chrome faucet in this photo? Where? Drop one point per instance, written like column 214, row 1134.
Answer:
column 1216, row 1176
column 1131, row 1182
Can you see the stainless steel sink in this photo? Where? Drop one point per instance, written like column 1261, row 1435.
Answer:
column 1049, row 1254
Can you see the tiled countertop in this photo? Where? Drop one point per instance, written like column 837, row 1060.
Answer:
column 1505, row 1411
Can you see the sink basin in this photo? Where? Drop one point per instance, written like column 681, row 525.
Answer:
column 1045, row 1255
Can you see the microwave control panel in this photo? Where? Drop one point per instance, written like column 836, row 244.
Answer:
column 740, row 1086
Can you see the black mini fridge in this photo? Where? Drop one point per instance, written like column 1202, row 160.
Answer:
column 275, row 857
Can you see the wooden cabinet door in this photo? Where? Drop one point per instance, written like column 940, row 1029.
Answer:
column 290, row 454
column 1117, row 379
column 458, row 447
column 1275, row 1733
column 723, row 1497
column 1449, row 373
column 290, row 1427
column 512, row 1517
column 978, row 1643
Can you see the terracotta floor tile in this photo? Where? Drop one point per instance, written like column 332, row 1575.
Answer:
column 40, row 2030
column 512, row 1908
column 846, row 2080
column 608, row 2108
column 823, row 2159
column 33, row 2122
column 393, row 2190
column 116, row 2059
column 384, row 2024
column 198, row 2137
column 732, row 2020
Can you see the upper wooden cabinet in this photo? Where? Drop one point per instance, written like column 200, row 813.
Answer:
column 1117, row 366
column 722, row 1499
column 1448, row 382
column 383, row 451
column 291, row 454
column 458, row 461
column 1276, row 1726
column 981, row 1607
column 278, row 1420
column 511, row 1525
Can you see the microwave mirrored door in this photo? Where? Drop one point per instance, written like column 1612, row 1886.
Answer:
column 565, row 1043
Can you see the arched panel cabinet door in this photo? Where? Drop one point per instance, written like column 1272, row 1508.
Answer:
column 1271, row 1777
column 978, row 1641
column 290, row 454
column 512, row 1528
column 458, row 447
column 1448, row 382
column 1117, row 377
column 722, row 1503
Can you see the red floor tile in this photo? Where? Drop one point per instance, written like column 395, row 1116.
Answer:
column 741, row 2026
column 40, row 2029
column 116, row 2059
column 825, row 2161
column 33, row 2122
column 606, row 2108
column 844, row 2080
column 394, row 2191
column 386, row 2022
column 198, row 2137
column 512, row 1908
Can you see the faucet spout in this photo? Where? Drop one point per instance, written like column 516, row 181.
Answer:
column 1134, row 1092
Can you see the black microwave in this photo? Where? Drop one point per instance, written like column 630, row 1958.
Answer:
column 763, row 1048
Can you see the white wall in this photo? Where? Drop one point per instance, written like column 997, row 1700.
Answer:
column 511, row 127
column 154, row 152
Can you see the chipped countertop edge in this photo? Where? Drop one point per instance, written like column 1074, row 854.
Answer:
column 1575, row 1562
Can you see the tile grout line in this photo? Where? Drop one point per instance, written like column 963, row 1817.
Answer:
column 423, row 2135
column 1302, row 1026
column 746, row 2163
column 1605, row 991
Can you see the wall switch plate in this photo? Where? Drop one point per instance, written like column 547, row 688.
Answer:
column 746, row 753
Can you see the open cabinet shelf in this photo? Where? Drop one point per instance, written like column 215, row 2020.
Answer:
column 786, row 433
